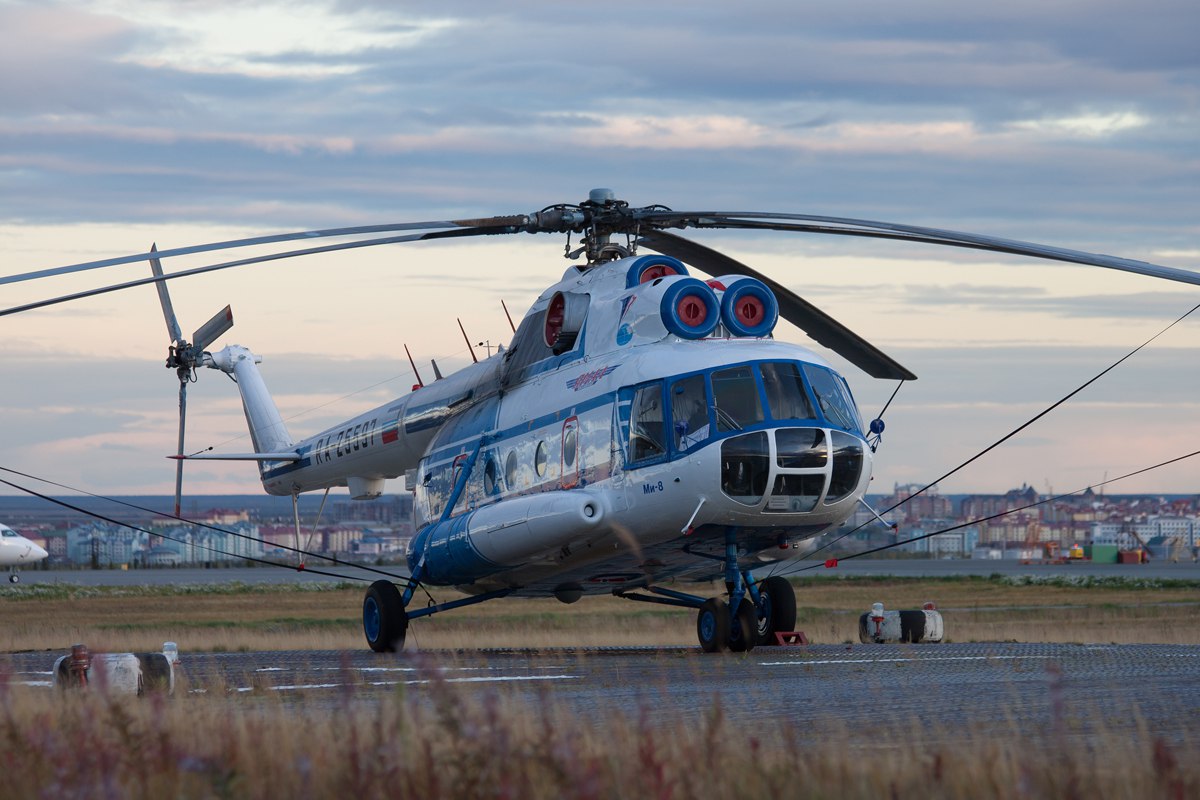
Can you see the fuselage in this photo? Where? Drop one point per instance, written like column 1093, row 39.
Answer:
column 636, row 419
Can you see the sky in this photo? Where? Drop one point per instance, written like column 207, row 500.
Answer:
column 1075, row 124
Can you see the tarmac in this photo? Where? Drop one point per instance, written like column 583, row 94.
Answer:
column 935, row 690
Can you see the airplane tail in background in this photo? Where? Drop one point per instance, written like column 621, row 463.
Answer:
column 267, row 431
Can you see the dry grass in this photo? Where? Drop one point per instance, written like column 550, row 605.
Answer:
column 286, row 618
column 450, row 744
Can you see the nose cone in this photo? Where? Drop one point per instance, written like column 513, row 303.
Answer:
column 38, row 553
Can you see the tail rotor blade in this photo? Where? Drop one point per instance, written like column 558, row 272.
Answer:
column 164, row 298
column 210, row 331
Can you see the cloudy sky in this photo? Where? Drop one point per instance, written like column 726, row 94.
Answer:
column 1075, row 123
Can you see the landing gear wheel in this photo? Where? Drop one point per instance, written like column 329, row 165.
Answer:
column 385, row 622
column 743, row 631
column 776, row 608
column 14, row 578
column 712, row 625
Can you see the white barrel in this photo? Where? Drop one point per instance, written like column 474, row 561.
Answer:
column 117, row 673
column 888, row 627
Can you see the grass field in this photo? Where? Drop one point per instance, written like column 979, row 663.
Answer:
column 327, row 616
column 448, row 743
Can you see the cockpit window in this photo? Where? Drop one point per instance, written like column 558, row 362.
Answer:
column 833, row 398
column 646, row 424
column 689, row 412
column 735, row 399
column 6, row 532
column 784, row 388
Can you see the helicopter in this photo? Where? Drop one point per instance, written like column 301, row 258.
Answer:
column 644, row 429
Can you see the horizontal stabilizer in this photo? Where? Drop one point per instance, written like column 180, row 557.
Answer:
column 290, row 456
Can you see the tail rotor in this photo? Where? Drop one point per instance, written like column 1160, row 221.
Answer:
column 184, row 357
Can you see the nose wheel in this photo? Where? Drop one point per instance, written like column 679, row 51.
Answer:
column 776, row 608
column 754, row 612
column 713, row 624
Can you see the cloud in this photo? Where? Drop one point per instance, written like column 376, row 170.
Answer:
column 1072, row 124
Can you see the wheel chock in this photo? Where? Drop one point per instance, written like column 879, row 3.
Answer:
column 790, row 638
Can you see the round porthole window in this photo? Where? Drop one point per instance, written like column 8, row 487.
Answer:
column 540, row 459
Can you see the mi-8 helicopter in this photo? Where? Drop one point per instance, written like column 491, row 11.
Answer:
column 643, row 428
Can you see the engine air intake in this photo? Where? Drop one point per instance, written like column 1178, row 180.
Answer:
column 749, row 308
column 689, row 309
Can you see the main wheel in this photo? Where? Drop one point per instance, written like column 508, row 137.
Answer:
column 385, row 622
column 743, row 631
column 14, row 578
column 776, row 608
column 712, row 625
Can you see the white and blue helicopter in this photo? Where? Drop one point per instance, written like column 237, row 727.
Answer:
column 643, row 429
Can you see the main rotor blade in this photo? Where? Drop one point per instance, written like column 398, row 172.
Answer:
column 846, row 226
column 164, row 298
column 207, row 333
column 518, row 220
column 329, row 248
column 804, row 315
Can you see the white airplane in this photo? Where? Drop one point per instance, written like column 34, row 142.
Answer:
column 643, row 429
column 17, row 551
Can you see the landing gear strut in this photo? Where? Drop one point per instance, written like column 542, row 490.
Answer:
column 752, row 615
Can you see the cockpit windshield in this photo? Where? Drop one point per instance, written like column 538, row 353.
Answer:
column 784, row 388
column 833, row 398
column 724, row 401
column 735, row 398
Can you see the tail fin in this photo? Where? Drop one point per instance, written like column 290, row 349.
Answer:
column 267, row 431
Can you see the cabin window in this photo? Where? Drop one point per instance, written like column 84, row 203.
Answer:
column 510, row 470
column 569, row 474
column 540, row 459
column 833, row 398
column 689, row 412
column 735, row 399
column 784, row 387
column 489, row 477
column 646, row 423
column 569, row 447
